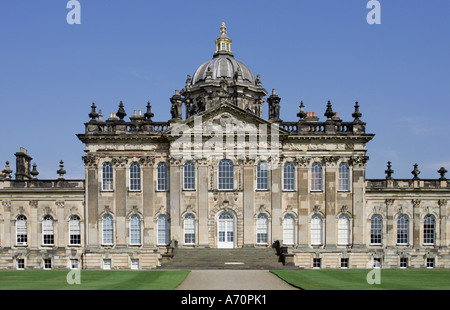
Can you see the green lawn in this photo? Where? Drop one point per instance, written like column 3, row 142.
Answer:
column 391, row 279
column 92, row 280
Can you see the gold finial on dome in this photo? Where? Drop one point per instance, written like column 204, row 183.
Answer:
column 223, row 29
column 223, row 42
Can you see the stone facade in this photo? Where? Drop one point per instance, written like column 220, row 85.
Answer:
column 222, row 176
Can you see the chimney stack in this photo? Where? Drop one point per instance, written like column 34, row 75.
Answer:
column 23, row 165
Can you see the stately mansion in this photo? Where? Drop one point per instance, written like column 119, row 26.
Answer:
column 220, row 174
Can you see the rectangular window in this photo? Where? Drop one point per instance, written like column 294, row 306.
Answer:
column 163, row 177
column 289, row 177
column 20, row 264
column 317, row 262
column 262, row 176
column 47, row 263
column 47, row 232
column 430, row 262
column 344, row 262
column 107, row 177
column 189, row 176
column 376, row 262
column 106, row 264
column 135, row 264
column 21, row 232
column 226, row 175
column 135, row 177
column 74, row 264
column 75, row 233
column 403, row 262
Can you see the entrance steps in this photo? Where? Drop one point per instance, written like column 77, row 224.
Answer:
column 242, row 258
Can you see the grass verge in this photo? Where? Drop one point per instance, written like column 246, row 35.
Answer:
column 390, row 279
column 92, row 280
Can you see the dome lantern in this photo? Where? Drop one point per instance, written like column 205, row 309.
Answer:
column 223, row 42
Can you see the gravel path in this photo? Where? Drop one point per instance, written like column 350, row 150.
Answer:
column 233, row 280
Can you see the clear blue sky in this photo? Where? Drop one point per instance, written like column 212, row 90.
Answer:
column 308, row 50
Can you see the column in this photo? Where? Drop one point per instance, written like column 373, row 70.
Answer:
column 276, row 186
column 391, row 240
column 358, row 208
column 303, row 200
column 91, row 209
column 120, row 191
column 417, row 221
column 249, row 204
column 330, row 189
column 202, row 198
column 148, row 191
column 174, row 200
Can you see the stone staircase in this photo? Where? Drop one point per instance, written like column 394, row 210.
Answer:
column 207, row 258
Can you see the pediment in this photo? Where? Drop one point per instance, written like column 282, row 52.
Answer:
column 225, row 118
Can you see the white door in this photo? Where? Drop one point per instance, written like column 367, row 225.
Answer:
column 225, row 230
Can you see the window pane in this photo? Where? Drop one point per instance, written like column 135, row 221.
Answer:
column 163, row 177
column 107, row 177
column 344, row 177
column 163, row 230
column 402, row 229
column 262, row 228
column 108, row 229
column 316, row 177
column 262, row 176
column 189, row 175
column 135, row 229
column 47, row 230
column 288, row 229
column 226, row 175
column 189, row 229
column 289, row 177
column 343, row 229
column 21, row 230
column 74, row 230
column 316, row 229
column 135, row 177
column 429, row 229
column 376, row 229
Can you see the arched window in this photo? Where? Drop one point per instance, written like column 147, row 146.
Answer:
column 21, row 230
column 107, row 229
column 376, row 229
column 344, row 177
column 429, row 228
column 163, row 230
column 189, row 228
column 262, row 229
column 226, row 175
column 316, row 229
column 289, row 177
column 262, row 176
column 74, row 230
column 288, row 229
column 135, row 177
column 163, row 177
column 107, row 177
column 316, row 177
column 403, row 229
column 343, row 229
column 48, row 234
column 135, row 229
column 189, row 175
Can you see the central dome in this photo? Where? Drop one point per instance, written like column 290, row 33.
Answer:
column 223, row 65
